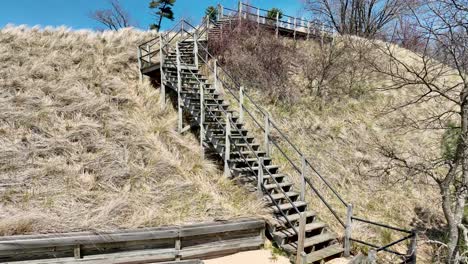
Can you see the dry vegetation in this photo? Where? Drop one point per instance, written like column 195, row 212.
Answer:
column 84, row 146
column 336, row 113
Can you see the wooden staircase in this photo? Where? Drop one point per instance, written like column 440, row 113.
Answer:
column 245, row 157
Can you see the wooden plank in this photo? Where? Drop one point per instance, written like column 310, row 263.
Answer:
column 222, row 227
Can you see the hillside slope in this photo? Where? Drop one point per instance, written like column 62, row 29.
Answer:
column 84, row 146
column 330, row 105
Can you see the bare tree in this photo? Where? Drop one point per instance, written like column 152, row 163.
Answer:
column 114, row 18
column 358, row 17
column 439, row 75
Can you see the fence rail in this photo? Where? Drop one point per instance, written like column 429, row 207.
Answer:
column 261, row 120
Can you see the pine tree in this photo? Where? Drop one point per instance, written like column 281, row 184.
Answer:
column 163, row 9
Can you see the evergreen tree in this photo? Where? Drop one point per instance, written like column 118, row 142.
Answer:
column 272, row 13
column 212, row 12
column 163, row 9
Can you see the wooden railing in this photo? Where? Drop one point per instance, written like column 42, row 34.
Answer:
column 261, row 121
column 279, row 23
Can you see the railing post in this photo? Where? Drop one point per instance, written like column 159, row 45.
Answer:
column 412, row 250
column 215, row 70
column 260, row 177
column 267, row 133
column 202, row 119
column 140, row 74
column 195, row 48
column 301, row 237
column 308, row 30
column 148, row 48
column 207, row 30
column 349, row 228
column 241, row 104
column 258, row 16
column 303, row 175
column 179, row 88
column 240, row 11
column 227, row 146
column 372, row 257
column 163, row 87
column 322, row 33
column 295, row 21
column 277, row 24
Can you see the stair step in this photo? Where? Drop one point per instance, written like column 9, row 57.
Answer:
column 325, row 253
column 288, row 206
column 311, row 241
column 293, row 218
column 255, row 168
column 290, row 232
column 278, row 196
column 279, row 185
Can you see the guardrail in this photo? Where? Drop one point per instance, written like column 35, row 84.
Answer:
column 261, row 122
column 196, row 241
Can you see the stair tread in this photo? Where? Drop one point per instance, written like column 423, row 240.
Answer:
column 274, row 185
column 290, row 232
column 277, row 196
column 288, row 206
column 324, row 253
column 310, row 241
column 295, row 217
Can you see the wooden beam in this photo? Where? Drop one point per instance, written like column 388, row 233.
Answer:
column 301, row 238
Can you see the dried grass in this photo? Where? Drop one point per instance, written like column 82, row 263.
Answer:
column 84, row 146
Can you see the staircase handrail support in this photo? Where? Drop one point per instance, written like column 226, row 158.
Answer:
column 257, row 157
column 283, row 136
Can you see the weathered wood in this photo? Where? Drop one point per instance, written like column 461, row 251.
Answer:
column 348, row 230
column 195, row 48
column 77, row 252
column 140, row 74
column 227, row 146
column 372, row 257
column 267, row 133
column 179, row 89
column 303, row 175
column 260, row 177
column 161, row 63
column 301, row 238
column 277, row 25
column 241, row 104
column 202, row 119
column 412, row 249
column 215, row 77
column 63, row 245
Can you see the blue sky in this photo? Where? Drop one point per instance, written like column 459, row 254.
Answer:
column 74, row 13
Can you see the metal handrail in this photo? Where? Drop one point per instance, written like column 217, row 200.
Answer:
column 235, row 85
column 258, row 158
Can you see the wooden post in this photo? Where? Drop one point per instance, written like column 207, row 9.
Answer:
column 260, row 177
column 207, row 29
column 258, row 16
column 179, row 88
column 202, row 118
column 215, row 69
column 195, row 48
column 227, row 146
column 148, row 48
column 277, row 24
column 412, row 250
column 240, row 11
column 241, row 104
column 301, row 238
column 372, row 257
column 303, row 175
column 348, row 230
column 267, row 134
column 303, row 258
column 162, row 97
column 295, row 21
column 322, row 33
column 140, row 74
column 308, row 30
column 77, row 252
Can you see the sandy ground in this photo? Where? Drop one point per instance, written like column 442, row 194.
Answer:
column 255, row 256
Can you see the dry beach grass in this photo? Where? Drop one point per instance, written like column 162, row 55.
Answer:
column 84, row 146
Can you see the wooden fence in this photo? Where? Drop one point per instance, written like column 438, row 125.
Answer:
column 144, row 245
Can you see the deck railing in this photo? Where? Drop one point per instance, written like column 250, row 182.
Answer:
column 252, row 114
